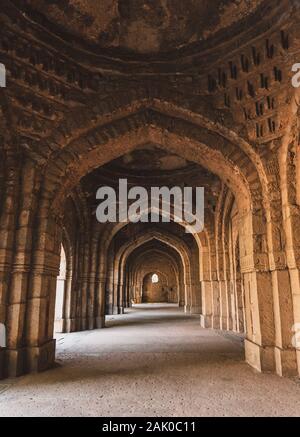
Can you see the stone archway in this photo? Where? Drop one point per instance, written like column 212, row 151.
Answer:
column 67, row 115
column 154, row 290
column 50, row 229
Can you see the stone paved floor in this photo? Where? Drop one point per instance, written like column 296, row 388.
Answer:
column 153, row 361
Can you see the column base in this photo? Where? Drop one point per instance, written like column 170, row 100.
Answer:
column 286, row 362
column 2, row 355
column 259, row 357
column 83, row 324
column 229, row 324
column 224, row 323
column 90, row 323
column 205, row 321
column 95, row 323
column 15, row 360
column 215, row 322
column 69, row 325
column 187, row 308
column 109, row 309
column 298, row 360
column 26, row 360
column 118, row 310
column 39, row 358
column 100, row 322
column 195, row 309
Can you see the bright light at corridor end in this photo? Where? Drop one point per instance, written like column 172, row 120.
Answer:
column 154, row 278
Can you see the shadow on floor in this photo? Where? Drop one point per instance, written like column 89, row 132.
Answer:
column 157, row 365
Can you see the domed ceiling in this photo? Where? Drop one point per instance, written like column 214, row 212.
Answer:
column 140, row 26
column 149, row 159
column 150, row 166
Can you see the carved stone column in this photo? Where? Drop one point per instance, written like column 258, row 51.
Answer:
column 92, row 284
column 285, row 352
column 9, row 357
column 100, row 285
column 259, row 343
column 40, row 345
column 206, row 315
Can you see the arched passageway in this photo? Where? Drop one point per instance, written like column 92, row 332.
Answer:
column 81, row 120
column 154, row 288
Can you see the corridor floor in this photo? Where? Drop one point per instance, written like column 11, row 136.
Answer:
column 152, row 361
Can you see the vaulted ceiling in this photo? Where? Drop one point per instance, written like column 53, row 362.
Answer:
column 164, row 24
column 86, row 73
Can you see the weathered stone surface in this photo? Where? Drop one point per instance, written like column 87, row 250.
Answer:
column 161, row 93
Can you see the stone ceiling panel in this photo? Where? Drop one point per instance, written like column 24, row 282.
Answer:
column 142, row 26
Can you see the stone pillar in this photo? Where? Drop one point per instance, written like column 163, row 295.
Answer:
column 229, row 292
column 116, row 300
column 240, row 305
column 215, row 304
column 224, row 294
column 285, row 353
column 187, row 304
column 137, row 292
column 76, row 288
column 259, row 343
column 11, row 356
column 206, row 316
column 40, row 345
column 68, row 322
column 127, row 291
column 222, row 287
column 109, row 297
column 223, row 304
column 238, row 290
column 215, row 291
column 181, row 293
column 109, row 292
column 17, row 352
column 84, row 241
column 233, row 305
column 100, row 285
column 295, row 287
column 91, row 318
column 195, row 307
column 230, row 306
column 121, row 295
